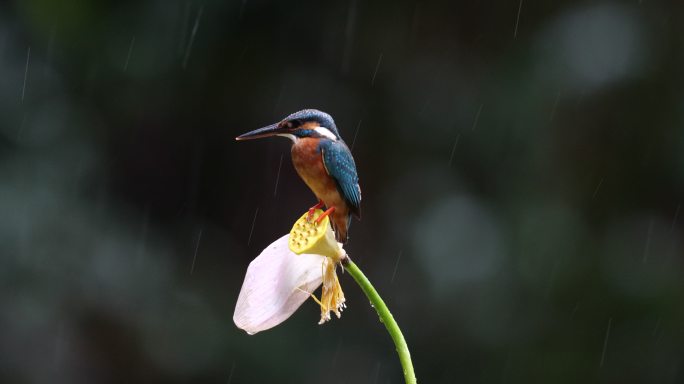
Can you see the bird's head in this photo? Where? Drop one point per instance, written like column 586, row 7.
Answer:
column 305, row 123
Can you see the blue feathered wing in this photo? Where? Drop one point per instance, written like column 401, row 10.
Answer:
column 340, row 165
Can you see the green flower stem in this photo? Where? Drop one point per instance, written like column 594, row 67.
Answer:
column 385, row 318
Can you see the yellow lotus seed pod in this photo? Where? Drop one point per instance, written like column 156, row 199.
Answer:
column 318, row 239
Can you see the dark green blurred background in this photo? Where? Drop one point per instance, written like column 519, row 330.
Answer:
column 522, row 167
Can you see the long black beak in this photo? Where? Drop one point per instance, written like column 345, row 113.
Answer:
column 268, row 131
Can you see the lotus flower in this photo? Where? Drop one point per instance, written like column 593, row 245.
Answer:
column 287, row 272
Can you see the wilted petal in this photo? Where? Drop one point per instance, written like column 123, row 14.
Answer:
column 276, row 284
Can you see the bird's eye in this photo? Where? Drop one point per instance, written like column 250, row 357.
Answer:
column 293, row 123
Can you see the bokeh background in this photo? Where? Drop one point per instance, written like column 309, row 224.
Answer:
column 522, row 167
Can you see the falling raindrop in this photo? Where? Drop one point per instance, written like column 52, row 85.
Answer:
column 593, row 196
column 280, row 165
column 396, row 266
column 336, row 353
column 377, row 67
column 356, row 132
column 377, row 372
column 605, row 342
column 232, row 370
column 676, row 215
column 477, row 117
column 199, row 238
column 128, row 56
column 453, row 149
column 192, row 37
column 249, row 240
column 23, row 88
column 517, row 20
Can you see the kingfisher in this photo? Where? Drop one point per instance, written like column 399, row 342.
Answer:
column 325, row 163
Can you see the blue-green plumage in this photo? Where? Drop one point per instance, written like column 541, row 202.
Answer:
column 340, row 165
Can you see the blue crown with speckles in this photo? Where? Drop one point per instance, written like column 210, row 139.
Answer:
column 322, row 118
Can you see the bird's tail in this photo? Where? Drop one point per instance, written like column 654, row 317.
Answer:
column 341, row 229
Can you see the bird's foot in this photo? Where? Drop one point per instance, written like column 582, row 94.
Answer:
column 313, row 209
column 324, row 214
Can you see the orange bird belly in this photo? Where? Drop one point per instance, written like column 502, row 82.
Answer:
column 308, row 161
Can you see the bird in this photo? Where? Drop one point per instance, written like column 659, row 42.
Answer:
column 325, row 163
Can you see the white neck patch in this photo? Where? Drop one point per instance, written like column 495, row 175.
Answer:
column 289, row 136
column 325, row 132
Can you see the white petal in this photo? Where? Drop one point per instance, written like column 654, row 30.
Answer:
column 276, row 284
